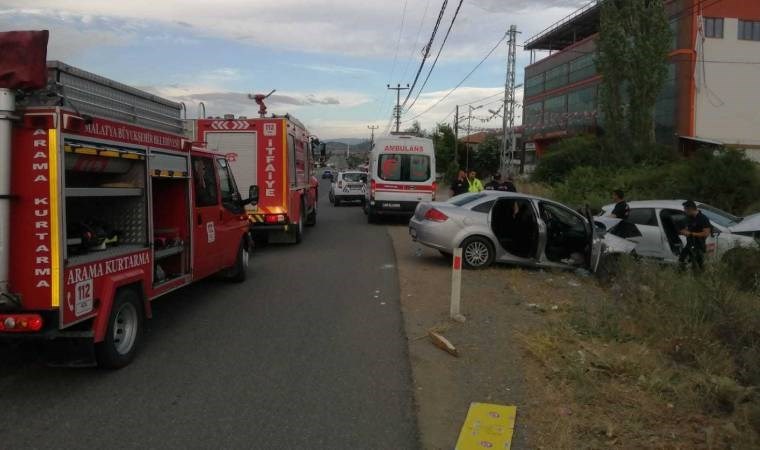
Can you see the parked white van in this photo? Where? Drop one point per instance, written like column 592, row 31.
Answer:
column 401, row 174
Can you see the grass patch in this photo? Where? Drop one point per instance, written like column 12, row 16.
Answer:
column 661, row 359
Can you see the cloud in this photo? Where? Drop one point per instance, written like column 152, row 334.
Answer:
column 344, row 27
column 331, row 68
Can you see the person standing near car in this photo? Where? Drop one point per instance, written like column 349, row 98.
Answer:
column 459, row 185
column 621, row 209
column 473, row 183
column 697, row 230
column 495, row 183
column 509, row 185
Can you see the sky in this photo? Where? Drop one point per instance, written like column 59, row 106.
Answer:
column 329, row 60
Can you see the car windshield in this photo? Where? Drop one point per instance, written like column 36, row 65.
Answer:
column 357, row 177
column 718, row 216
column 461, row 200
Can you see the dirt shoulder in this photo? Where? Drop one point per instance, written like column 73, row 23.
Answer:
column 489, row 368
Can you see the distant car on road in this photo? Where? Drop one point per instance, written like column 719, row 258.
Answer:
column 659, row 221
column 507, row 227
column 327, row 174
column 349, row 186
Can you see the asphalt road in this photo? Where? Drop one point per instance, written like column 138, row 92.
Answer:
column 308, row 353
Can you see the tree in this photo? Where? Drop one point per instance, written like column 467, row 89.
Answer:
column 632, row 57
column 415, row 129
column 486, row 157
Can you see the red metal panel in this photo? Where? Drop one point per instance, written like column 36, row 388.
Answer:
column 31, row 251
column 97, row 280
column 121, row 132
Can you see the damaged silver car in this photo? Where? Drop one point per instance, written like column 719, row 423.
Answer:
column 508, row 227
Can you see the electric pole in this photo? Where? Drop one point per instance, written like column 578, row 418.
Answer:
column 508, row 142
column 467, row 144
column 397, row 109
column 456, row 135
column 372, row 128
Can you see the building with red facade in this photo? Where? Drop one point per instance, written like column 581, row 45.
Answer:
column 711, row 94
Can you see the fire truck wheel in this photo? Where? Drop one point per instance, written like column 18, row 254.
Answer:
column 298, row 227
column 239, row 271
column 125, row 327
column 311, row 219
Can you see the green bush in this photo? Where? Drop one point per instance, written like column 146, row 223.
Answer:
column 566, row 155
column 743, row 265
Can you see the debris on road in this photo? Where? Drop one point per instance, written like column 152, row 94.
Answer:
column 443, row 343
column 487, row 426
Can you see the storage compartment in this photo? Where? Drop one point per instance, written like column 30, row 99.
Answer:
column 106, row 205
column 171, row 228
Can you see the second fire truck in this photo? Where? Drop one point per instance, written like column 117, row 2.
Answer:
column 274, row 153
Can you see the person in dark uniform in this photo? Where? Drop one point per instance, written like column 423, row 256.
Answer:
column 698, row 229
column 495, row 183
column 460, row 184
column 621, row 209
column 509, row 185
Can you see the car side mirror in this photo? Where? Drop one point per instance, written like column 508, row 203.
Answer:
column 253, row 195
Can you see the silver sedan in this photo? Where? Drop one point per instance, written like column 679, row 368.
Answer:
column 508, row 227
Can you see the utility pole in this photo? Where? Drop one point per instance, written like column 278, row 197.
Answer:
column 372, row 128
column 397, row 109
column 467, row 144
column 456, row 135
column 508, row 141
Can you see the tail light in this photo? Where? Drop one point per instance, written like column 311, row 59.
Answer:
column 372, row 187
column 20, row 323
column 435, row 189
column 436, row 215
column 274, row 218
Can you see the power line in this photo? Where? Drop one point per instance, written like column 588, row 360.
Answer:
column 416, row 40
column 477, row 66
column 432, row 66
column 426, row 51
column 383, row 104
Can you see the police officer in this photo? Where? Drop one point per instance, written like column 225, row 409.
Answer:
column 621, row 209
column 473, row 182
column 460, row 184
column 697, row 230
column 495, row 183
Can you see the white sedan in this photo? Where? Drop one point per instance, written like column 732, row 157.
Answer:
column 659, row 221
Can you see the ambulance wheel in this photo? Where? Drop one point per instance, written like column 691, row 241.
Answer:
column 239, row 271
column 124, row 332
column 311, row 219
column 371, row 216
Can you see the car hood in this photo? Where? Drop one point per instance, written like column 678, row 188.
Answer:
column 614, row 244
column 749, row 223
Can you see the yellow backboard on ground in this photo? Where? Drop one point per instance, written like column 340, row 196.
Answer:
column 487, row 426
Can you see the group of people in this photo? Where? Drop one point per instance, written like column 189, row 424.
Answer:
column 696, row 229
column 465, row 182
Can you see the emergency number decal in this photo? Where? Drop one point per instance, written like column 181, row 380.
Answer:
column 83, row 298
column 210, row 232
column 270, row 129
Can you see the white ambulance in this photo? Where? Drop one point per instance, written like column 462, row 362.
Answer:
column 401, row 174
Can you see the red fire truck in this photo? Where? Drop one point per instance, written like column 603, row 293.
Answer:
column 108, row 208
column 275, row 154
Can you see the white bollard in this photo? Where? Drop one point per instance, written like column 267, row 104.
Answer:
column 456, row 286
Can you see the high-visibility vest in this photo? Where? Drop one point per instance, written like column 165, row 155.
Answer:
column 474, row 185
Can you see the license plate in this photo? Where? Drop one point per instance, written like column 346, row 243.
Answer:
column 393, row 205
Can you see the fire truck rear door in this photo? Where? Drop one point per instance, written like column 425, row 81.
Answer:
column 206, row 217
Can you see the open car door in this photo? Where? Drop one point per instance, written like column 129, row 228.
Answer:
column 595, row 242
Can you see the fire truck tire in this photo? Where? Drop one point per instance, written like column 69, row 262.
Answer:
column 311, row 219
column 239, row 271
column 124, row 333
column 298, row 227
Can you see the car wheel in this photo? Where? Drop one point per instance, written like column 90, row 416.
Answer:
column 124, row 332
column 477, row 252
column 298, row 227
column 239, row 271
column 608, row 268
